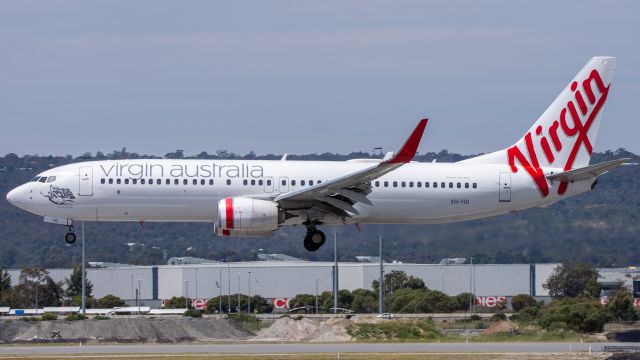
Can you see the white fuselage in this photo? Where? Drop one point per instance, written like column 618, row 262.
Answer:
column 189, row 190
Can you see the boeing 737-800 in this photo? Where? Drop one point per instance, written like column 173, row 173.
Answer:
column 255, row 198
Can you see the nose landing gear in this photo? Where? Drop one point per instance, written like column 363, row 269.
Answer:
column 70, row 237
column 314, row 239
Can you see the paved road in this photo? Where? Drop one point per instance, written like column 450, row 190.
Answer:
column 309, row 348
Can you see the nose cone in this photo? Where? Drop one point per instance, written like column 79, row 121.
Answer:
column 17, row 197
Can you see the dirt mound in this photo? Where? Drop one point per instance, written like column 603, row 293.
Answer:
column 502, row 326
column 122, row 330
column 287, row 329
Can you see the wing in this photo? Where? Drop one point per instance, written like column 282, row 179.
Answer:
column 337, row 196
column 588, row 172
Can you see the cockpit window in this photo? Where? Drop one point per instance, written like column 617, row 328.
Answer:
column 35, row 178
column 51, row 179
column 43, row 179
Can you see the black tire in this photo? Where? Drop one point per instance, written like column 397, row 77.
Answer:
column 314, row 240
column 70, row 238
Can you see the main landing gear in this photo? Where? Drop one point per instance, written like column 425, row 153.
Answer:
column 70, row 238
column 314, row 239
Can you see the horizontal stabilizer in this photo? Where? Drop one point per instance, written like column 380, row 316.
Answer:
column 587, row 173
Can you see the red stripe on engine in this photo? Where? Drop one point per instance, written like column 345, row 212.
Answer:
column 229, row 212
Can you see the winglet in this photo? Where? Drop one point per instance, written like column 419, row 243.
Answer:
column 408, row 150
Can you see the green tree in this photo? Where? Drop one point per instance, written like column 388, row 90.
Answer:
column 301, row 300
column 522, row 301
column 74, row 284
column 109, row 301
column 5, row 281
column 621, row 306
column 364, row 301
column 572, row 280
column 35, row 289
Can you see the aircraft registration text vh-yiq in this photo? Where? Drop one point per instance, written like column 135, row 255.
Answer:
column 255, row 198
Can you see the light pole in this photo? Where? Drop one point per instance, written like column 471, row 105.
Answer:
column 228, row 287
column 239, row 308
column 186, row 297
column 84, row 302
column 316, row 295
column 138, row 295
column 381, row 281
column 220, row 291
column 196, row 283
column 249, row 297
column 335, row 272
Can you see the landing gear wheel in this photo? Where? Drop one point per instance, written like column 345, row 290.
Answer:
column 70, row 238
column 314, row 240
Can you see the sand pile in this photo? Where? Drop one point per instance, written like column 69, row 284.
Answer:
column 122, row 330
column 502, row 326
column 287, row 329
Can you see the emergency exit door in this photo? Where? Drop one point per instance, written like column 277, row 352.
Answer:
column 505, row 187
column 86, row 181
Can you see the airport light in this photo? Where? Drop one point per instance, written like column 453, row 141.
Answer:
column 186, row 297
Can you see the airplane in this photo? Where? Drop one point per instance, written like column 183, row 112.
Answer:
column 245, row 198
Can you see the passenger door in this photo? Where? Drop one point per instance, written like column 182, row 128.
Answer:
column 86, row 181
column 505, row 187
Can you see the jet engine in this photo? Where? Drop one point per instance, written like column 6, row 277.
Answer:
column 240, row 216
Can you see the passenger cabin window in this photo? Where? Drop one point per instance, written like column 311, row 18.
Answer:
column 450, row 185
column 228, row 181
column 268, row 182
column 126, row 181
column 150, row 181
column 293, row 183
column 466, row 185
column 210, row 181
column 118, row 181
column 395, row 184
column 202, row 182
column 101, row 181
column 159, row 181
column 386, row 184
column 185, row 182
column 377, row 183
column 195, row 181
column 419, row 183
column 168, row 182
column 253, row 181
column 302, row 182
column 176, row 182
column 475, row 185
column 110, row 181
column 244, row 182
column 142, row 181
column 134, row 181
column 435, row 184
column 310, row 182
column 458, row 185
column 410, row 183
column 426, row 184
column 260, row 182
column 404, row 184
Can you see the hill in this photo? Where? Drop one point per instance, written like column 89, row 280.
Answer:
column 600, row 227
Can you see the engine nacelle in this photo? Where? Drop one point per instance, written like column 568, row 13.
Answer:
column 240, row 216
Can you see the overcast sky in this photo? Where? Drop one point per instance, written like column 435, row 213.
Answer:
column 302, row 76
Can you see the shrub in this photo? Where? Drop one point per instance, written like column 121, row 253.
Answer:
column 522, row 301
column 475, row 317
column 395, row 330
column 579, row 314
column 101, row 317
column 109, row 301
column 498, row 317
column 527, row 315
column 49, row 316
column 194, row 313
column 75, row 317
column 30, row 318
